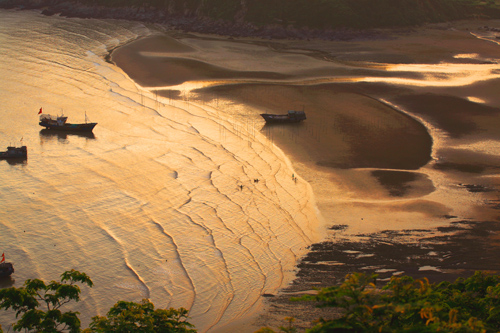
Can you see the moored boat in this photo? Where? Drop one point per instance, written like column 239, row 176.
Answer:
column 290, row 117
column 14, row 153
column 6, row 268
column 59, row 123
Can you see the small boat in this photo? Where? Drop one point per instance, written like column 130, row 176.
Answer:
column 14, row 152
column 290, row 117
column 59, row 123
column 6, row 268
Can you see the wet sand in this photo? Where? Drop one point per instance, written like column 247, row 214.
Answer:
column 405, row 175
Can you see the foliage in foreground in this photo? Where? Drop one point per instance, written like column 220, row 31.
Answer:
column 38, row 307
column 402, row 305
column 141, row 317
column 37, row 304
column 409, row 305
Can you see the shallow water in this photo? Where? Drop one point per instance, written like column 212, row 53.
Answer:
column 439, row 121
column 402, row 158
column 150, row 205
column 183, row 196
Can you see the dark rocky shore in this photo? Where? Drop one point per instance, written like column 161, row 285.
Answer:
column 438, row 255
column 188, row 23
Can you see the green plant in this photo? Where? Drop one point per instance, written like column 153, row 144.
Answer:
column 38, row 307
column 409, row 305
column 141, row 317
column 38, row 304
column 289, row 328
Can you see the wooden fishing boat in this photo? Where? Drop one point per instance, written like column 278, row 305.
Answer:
column 14, row 153
column 6, row 268
column 59, row 123
column 290, row 117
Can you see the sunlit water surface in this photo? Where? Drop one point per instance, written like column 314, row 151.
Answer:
column 166, row 200
column 184, row 202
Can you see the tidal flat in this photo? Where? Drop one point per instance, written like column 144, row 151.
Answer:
column 400, row 145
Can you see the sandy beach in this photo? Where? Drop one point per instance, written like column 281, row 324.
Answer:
column 401, row 143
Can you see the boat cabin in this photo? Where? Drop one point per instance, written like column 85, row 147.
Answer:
column 53, row 120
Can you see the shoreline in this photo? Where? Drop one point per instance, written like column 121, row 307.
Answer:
column 345, row 246
column 203, row 25
column 167, row 189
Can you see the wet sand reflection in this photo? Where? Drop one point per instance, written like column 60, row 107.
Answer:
column 402, row 157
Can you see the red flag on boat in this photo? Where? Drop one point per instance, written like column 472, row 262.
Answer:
column 3, row 258
column 40, row 111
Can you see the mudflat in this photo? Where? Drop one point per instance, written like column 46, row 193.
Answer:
column 400, row 145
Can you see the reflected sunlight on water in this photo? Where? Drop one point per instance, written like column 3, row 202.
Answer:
column 182, row 195
column 150, row 204
column 441, row 75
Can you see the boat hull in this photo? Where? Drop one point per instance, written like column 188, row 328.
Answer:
column 281, row 118
column 14, row 153
column 6, row 269
column 87, row 127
